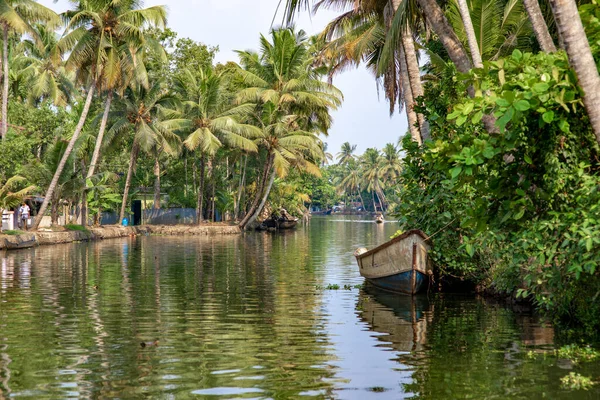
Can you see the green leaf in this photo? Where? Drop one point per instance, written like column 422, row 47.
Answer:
column 528, row 159
column 548, row 116
column 564, row 126
column 468, row 108
column 588, row 244
column 506, row 118
column 477, row 117
column 461, row 120
column 521, row 105
column 517, row 55
column 502, row 102
column 470, row 249
column 519, row 214
column 454, row 172
column 540, row 87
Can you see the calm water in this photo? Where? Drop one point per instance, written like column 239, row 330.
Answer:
column 246, row 317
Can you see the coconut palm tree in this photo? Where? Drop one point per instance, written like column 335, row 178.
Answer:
column 18, row 16
column 207, row 121
column 465, row 15
column 580, row 56
column 48, row 77
column 141, row 111
column 390, row 164
column 92, row 53
column 346, row 153
column 372, row 177
column 289, row 103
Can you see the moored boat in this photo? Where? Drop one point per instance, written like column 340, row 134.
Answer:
column 399, row 265
column 379, row 219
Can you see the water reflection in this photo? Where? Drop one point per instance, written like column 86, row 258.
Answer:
column 240, row 317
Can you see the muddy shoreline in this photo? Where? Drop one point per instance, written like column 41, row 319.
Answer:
column 44, row 238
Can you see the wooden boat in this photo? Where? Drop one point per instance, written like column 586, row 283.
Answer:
column 20, row 242
column 379, row 219
column 399, row 265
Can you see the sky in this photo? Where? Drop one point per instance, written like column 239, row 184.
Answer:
column 233, row 25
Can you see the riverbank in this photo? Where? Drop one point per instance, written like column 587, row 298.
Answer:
column 43, row 238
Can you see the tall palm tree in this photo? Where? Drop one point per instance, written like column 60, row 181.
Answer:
column 390, row 164
column 580, row 56
column 141, row 111
column 371, row 166
column 290, row 104
column 207, row 121
column 18, row 16
column 346, row 153
column 92, row 53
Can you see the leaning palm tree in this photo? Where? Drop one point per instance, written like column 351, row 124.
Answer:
column 18, row 16
column 289, row 103
column 207, row 121
column 390, row 164
column 10, row 199
column 93, row 55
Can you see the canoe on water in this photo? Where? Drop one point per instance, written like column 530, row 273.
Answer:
column 399, row 265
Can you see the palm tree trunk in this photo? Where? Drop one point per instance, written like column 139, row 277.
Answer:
column 465, row 15
column 442, row 28
column 156, row 204
column 132, row 158
column 362, row 202
column 539, row 26
column 96, row 155
column 374, row 204
column 200, row 202
column 265, row 196
column 241, row 189
column 409, row 100
column 259, row 192
column 580, row 57
column 212, row 199
column 414, row 75
column 4, row 125
column 67, row 153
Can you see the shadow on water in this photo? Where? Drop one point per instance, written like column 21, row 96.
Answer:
column 241, row 317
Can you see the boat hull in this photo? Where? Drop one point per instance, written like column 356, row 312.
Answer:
column 399, row 265
column 402, row 282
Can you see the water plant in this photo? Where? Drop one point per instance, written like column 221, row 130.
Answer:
column 575, row 381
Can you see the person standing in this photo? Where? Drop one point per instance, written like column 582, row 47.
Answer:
column 24, row 213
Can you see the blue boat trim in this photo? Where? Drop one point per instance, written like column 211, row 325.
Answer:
column 401, row 282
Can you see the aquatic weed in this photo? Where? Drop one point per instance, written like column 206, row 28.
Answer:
column 577, row 353
column 575, row 381
column 333, row 286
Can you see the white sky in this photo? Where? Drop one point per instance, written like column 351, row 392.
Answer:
column 232, row 25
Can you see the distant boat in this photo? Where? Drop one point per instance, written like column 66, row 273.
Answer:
column 286, row 223
column 379, row 219
column 399, row 265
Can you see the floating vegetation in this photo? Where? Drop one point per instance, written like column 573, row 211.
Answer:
column 575, row 381
column 377, row 389
column 577, row 353
column 335, row 286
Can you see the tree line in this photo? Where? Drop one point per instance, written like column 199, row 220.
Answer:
column 121, row 90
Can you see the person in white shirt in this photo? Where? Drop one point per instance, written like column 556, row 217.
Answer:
column 24, row 213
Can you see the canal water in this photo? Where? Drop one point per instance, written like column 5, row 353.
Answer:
column 251, row 316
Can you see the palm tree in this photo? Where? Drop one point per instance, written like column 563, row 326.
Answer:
column 539, row 26
column 352, row 180
column 207, row 120
column 580, row 56
column 390, row 164
column 371, row 166
column 140, row 111
column 346, row 153
column 49, row 79
column 94, row 57
column 18, row 16
column 10, row 199
column 289, row 103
